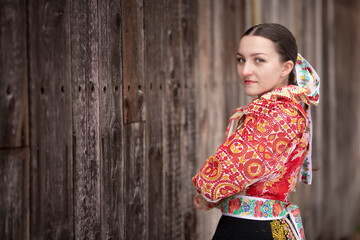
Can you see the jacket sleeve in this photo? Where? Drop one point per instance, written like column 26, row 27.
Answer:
column 251, row 153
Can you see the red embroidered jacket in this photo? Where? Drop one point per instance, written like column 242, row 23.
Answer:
column 264, row 154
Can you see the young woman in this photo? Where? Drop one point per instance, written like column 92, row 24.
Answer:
column 268, row 141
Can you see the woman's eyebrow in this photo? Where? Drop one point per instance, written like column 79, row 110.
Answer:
column 253, row 54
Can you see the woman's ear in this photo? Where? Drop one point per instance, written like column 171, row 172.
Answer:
column 287, row 68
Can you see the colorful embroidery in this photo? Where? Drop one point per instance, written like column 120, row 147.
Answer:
column 307, row 78
column 281, row 230
column 266, row 209
column 253, row 208
column 265, row 148
column 296, row 219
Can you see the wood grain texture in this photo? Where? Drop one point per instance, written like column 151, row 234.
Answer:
column 85, row 107
column 111, row 122
column 346, row 16
column 13, row 76
column 136, row 224
column 234, row 26
column 173, row 104
column 206, row 221
column 188, row 36
column 133, row 64
column 154, row 34
column 50, row 120
column 14, row 194
column 14, row 124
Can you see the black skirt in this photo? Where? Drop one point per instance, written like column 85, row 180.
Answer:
column 232, row 228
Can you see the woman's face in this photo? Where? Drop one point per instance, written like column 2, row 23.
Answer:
column 259, row 66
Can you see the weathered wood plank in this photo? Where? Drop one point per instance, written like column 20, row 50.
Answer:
column 234, row 27
column 13, row 75
column 203, row 73
column 133, row 64
column 173, row 103
column 324, row 148
column 188, row 36
column 154, row 34
column 325, row 179
column 14, row 194
column 111, row 122
column 136, row 224
column 85, row 106
column 217, row 117
column 206, row 221
column 14, row 122
column 50, row 120
column 347, row 87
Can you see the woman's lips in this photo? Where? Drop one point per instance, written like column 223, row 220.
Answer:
column 249, row 82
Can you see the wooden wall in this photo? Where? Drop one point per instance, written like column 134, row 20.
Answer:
column 14, row 123
column 108, row 108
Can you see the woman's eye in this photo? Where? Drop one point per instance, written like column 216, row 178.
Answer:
column 259, row 60
column 240, row 60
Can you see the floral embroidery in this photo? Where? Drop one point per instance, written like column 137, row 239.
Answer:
column 258, row 212
column 265, row 209
column 252, row 207
column 277, row 208
column 246, row 207
column 234, row 204
column 265, row 148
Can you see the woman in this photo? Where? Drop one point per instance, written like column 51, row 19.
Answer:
column 268, row 141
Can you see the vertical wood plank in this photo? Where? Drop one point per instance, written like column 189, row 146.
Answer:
column 133, row 65
column 133, row 116
column 217, row 117
column 136, row 226
column 85, row 105
column 355, row 163
column 329, row 156
column 266, row 10
column 50, row 120
column 188, row 36
column 234, row 27
column 346, row 90
column 207, row 221
column 14, row 133
column 14, row 193
column 315, row 195
column 13, row 76
column 171, row 120
column 154, row 34
column 204, row 73
column 111, row 121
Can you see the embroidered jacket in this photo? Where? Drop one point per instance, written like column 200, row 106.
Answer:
column 263, row 153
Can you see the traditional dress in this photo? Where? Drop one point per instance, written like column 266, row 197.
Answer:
column 267, row 146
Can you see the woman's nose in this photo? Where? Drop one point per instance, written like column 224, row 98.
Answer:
column 246, row 70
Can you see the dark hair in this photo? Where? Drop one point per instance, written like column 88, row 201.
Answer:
column 284, row 40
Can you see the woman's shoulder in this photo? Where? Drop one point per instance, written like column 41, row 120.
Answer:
column 277, row 112
column 288, row 100
column 280, row 115
column 265, row 107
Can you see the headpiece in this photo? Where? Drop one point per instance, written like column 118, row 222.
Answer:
column 307, row 78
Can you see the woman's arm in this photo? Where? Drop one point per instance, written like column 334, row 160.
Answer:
column 259, row 148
